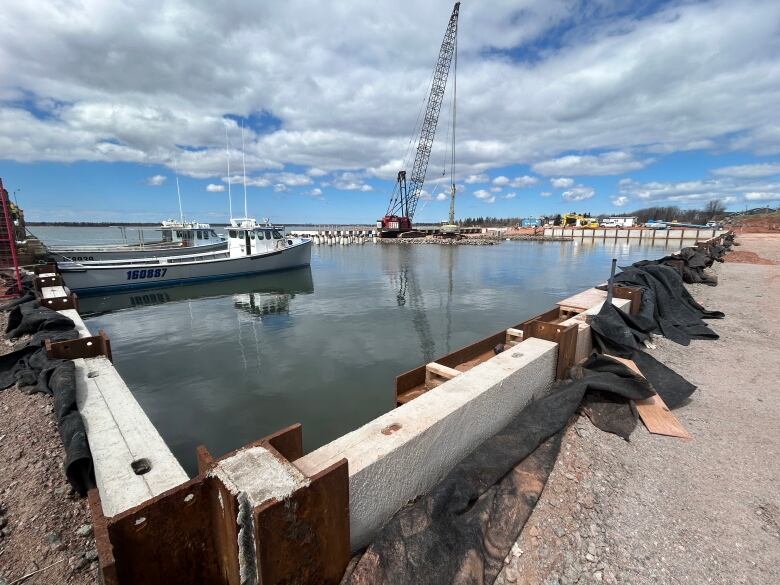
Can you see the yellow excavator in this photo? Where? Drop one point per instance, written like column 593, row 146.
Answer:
column 577, row 220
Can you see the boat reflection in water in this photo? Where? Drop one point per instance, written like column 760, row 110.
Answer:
column 261, row 294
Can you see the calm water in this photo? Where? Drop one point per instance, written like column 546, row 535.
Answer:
column 224, row 364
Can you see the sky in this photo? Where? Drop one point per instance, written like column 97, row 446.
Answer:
column 601, row 106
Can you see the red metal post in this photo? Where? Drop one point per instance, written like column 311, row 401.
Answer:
column 8, row 258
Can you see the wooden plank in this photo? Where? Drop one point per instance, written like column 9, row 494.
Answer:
column 656, row 416
column 564, row 336
column 442, row 371
column 584, row 300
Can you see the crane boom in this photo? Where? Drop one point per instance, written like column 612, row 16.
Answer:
column 403, row 204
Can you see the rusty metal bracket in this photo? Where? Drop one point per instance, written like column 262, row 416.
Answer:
column 50, row 268
column 42, row 281
column 564, row 336
column 84, row 347
column 196, row 532
column 632, row 293
column 60, row 303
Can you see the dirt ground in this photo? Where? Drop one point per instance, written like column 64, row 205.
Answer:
column 664, row 510
column 43, row 524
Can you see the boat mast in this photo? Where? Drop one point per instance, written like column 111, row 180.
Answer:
column 227, row 155
column 243, row 160
column 178, row 191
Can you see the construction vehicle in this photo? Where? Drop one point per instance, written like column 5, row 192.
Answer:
column 577, row 220
column 403, row 202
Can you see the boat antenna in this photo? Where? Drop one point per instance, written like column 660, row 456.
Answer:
column 243, row 160
column 227, row 155
column 178, row 191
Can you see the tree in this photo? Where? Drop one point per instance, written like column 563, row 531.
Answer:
column 714, row 208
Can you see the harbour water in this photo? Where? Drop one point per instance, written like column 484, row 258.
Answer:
column 225, row 363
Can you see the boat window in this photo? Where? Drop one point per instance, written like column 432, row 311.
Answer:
column 200, row 234
column 252, row 235
column 213, row 234
column 277, row 235
column 167, row 236
column 267, row 234
column 205, row 234
column 232, row 233
column 178, row 234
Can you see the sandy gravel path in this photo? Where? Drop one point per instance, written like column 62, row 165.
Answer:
column 662, row 510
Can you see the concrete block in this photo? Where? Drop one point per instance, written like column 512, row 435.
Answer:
column 403, row 453
column 132, row 462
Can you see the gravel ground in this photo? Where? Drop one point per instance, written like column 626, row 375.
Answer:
column 664, row 510
column 43, row 524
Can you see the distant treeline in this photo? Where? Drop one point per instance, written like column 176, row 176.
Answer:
column 92, row 223
column 714, row 210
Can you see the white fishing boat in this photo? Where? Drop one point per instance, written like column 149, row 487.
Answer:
column 251, row 249
column 177, row 238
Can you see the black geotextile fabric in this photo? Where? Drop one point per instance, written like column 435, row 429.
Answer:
column 29, row 317
column 462, row 530
column 30, row 367
column 667, row 309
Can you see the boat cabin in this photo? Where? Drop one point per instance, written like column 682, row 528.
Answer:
column 189, row 234
column 246, row 239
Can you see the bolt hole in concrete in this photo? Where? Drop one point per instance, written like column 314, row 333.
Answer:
column 390, row 429
column 188, row 498
column 139, row 522
column 141, row 466
column 517, row 354
column 93, row 374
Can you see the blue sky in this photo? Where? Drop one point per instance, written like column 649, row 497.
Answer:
column 562, row 105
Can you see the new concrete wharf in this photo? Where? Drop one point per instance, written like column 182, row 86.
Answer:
column 269, row 513
column 671, row 234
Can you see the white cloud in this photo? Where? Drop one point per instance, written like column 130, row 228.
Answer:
column 114, row 82
column 212, row 188
column 510, row 195
column 496, row 189
column 578, row 193
column 156, row 180
column 729, row 190
column 544, row 193
column 517, row 182
column 441, row 197
column 609, row 163
column 562, row 183
column 316, row 192
column 315, row 172
column 485, row 196
column 758, row 196
column 749, row 171
column 619, row 201
column 350, row 181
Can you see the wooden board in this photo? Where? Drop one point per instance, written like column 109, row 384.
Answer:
column 584, row 300
column 653, row 411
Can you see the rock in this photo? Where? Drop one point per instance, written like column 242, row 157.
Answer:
column 597, row 576
column 534, row 531
column 84, row 530
column 52, row 537
column 77, row 563
column 592, row 548
column 559, row 532
column 590, row 558
column 91, row 555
